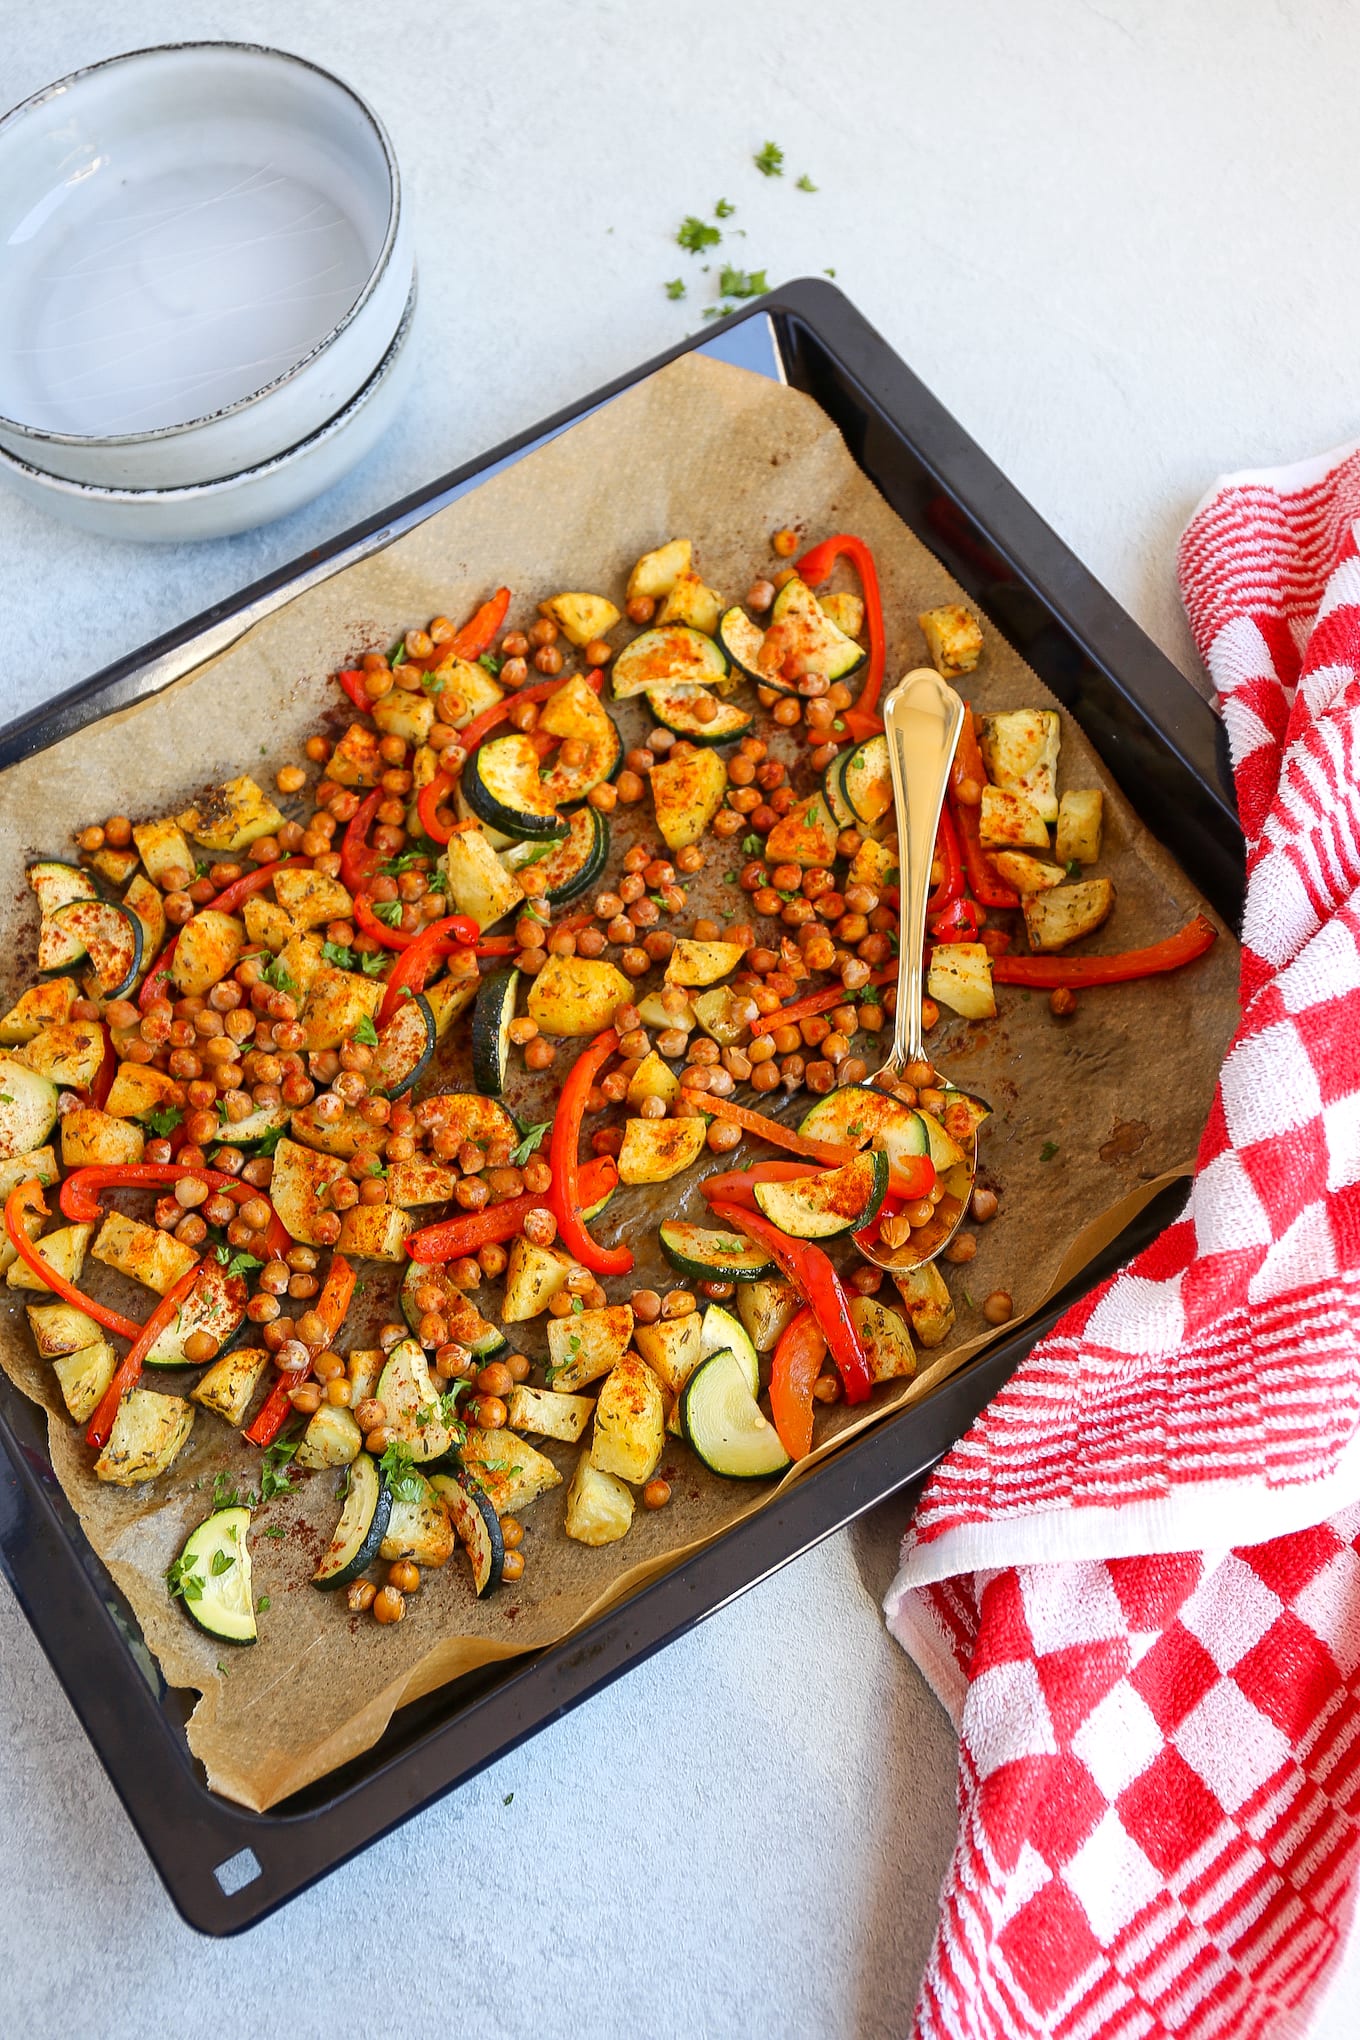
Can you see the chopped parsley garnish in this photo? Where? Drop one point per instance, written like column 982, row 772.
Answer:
column 724, row 209
column 770, row 160
column 1073, row 867
column 400, row 1473
column 262, row 1605
column 573, row 1344
column 969, row 1301
column 696, row 235
column 729, row 878
column 531, row 1141
column 224, row 1492
column 407, row 860
column 752, row 845
column 830, row 272
column 434, row 683
column 164, row 1120
column 267, row 1142
column 805, row 183
column 577, row 1305
column 507, row 1799
column 718, row 311
column 489, row 663
column 388, row 911
column 183, row 1581
column 275, row 1530
column 276, row 975
column 237, row 1264
column 274, row 1475
column 338, row 957
column 1048, row 1150
column 222, row 1561
column 397, row 656
column 676, row 287
column 366, row 1032
column 740, row 283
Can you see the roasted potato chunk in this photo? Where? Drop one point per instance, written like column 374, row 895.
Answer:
column 960, row 977
column 1027, row 874
column 577, row 995
column 654, row 1150
column 148, row 1434
column 1081, row 817
column 953, row 638
column 232, row 817
column 580, row 618
column 587, row 1344
column 630, row 1422
column 1010, row 821
column 928, row 1303
column 298, row 1187
column 1020, row 750
column 599, row 1505
column 689, row 601
column 656, row 573
column 143, row 1253
column 1055, row 919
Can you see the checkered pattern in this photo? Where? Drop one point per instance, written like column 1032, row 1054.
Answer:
column 1136, row 1581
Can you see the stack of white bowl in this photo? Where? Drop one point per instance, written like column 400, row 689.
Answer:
column 208, row 282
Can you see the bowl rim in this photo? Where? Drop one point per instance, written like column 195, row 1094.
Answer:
column 187, row 492
column 40, row 435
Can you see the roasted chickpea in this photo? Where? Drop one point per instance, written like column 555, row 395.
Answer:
column 360, row 1596
column 656, row 1494
column 512, row 1566
column 998, row 1307
column 404, row 1575
column 983, row 1205
column 641, row 610
column 388, row 1605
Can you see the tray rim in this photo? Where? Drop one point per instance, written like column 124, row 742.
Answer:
column 179, row 1811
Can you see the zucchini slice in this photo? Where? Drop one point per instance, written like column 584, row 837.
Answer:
column 838, row 1201
column 414, row 1412
column 721, row 1332
column 725, row 1424
column 491, row 1017
column 216, row 1305
column 57, row 885
column 466, row 1324
column 603, row 747
column 803, row 639
column 713, row 1256
column 477, row 1526
column 678, row 706
column 28, row 1109
column 405, row 1047
column 572, row 866
column 743, row 641
column 833, row 793
column 362, row 1526
column 866, row 781
column 857, row 1114
column 213, row 1576
column 503, row 787
column 673, row 652
column 108, row 934
column 419, row 1525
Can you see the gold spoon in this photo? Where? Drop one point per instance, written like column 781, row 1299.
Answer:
column 921, row 719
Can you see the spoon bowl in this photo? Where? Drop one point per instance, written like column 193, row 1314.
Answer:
column 921, row 720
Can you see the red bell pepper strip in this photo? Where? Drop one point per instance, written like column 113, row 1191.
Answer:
column 334, row 1300
column 983, row 882
column 1046, row 972
column 737, row 1186
column 497, row 945
column 28, row 1197
column 817, row 1002
column 565, row 1196
column 358, row 861
column 453, row 1237
column 412, row 967
column 958, row 923
column 852, row 726
column 835, row 1153
column 80, row 1192
column 478, row 632
column 98, row 1093
column 950, row 855
column 440, row 787
column 129, row 1371
column 817, row 1282
column 353, row 684
column 814, row 568
column 154, row 985
column 794, row 1370
column 368, row 921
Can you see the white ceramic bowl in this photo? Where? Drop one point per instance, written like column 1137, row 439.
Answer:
column 204, row 254
column 235, row 502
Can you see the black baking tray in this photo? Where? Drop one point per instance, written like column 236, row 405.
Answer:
column 225, row 1868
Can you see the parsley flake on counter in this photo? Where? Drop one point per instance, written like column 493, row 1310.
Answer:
column 1048, row 1150
column 724, row 209
column 262, row 1605
column 676, row 287
column 770, row 160
column 696, row 234
column 805, row 183
column 741, row 283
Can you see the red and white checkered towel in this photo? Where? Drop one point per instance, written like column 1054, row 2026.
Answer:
column 1135, row 1583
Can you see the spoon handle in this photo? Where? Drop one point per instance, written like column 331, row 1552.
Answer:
column 922, row 718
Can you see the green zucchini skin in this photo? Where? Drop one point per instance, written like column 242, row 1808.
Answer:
column 668, row 654
column 569, row 784
column 833, row 793
column 866, row 773
column 694, row 1250
column 524, row 824
column 491, row 1017
column 404, row 1051
column 574, row 864
column 361, row 1529
column 224, row 1606
column 672, row 713
column 476, row 1525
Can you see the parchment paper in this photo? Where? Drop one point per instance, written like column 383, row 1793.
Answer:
column 723, row 456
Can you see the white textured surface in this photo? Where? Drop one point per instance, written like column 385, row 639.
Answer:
column 1115, row 241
